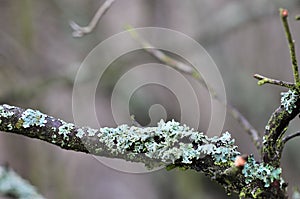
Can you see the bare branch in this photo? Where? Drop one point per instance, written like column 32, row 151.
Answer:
column 289, row 137
column 291, row 42
column 256, row 139
column 264, row 80
column 80, row 31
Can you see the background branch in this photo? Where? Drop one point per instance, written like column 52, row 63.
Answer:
column 12, row 185
column 187, row 69
column 289, row 137
column 79, row 31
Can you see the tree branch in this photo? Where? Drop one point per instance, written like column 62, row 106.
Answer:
column 291, row 42
column 289, row 137
column 189, row 70
column 79, row 31
column 11, row 184
column 273, row 141
column 263, row 80
column 276, row 127
column 169, row 144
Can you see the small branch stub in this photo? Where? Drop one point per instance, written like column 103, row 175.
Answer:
column 265, row 80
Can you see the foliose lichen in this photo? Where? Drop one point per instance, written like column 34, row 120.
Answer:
column 80, row 133
column 168, row 142
column 5, row 113
column 260, row 171
column 65, row 129
column 288, row 100
column 91, row 132
column 33, row 118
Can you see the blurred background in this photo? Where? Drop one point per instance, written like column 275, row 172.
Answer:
column 39, row 59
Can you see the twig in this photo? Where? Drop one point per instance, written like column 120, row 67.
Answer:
column 291, row 42
column 246, row 125
column 187, row 69
column 263, row 80
column 79, row 31
column 161, row 55
column 134, row 122
column 289, row 137
column 11, row 184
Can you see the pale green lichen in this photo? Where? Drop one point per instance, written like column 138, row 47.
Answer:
column 267, row 127
column 288, row 100
column 5, row 113
column 33, row 118
column 167, row 143
column 80, row 133
column 66, row 129
column 91, row 132
column 260, row 171
column 9, row 127
column 11, row 184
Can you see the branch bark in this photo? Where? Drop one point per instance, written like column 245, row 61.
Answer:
column 169, row 144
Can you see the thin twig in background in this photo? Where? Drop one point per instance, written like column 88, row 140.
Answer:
column 289, row 137
column 187, row 69
column 79, row 31
column 264, row 80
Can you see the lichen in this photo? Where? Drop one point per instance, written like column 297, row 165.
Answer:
column 5, row 113
column 168, row 142
column 267, row 127
column 261, row 171
column 288, row 100
column 10, row 127
column 80, row 133
column 11, row 184
column 91, row 132
column 33, row 118
column 65, row 129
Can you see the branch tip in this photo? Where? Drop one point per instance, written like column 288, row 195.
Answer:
column 291, row 42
